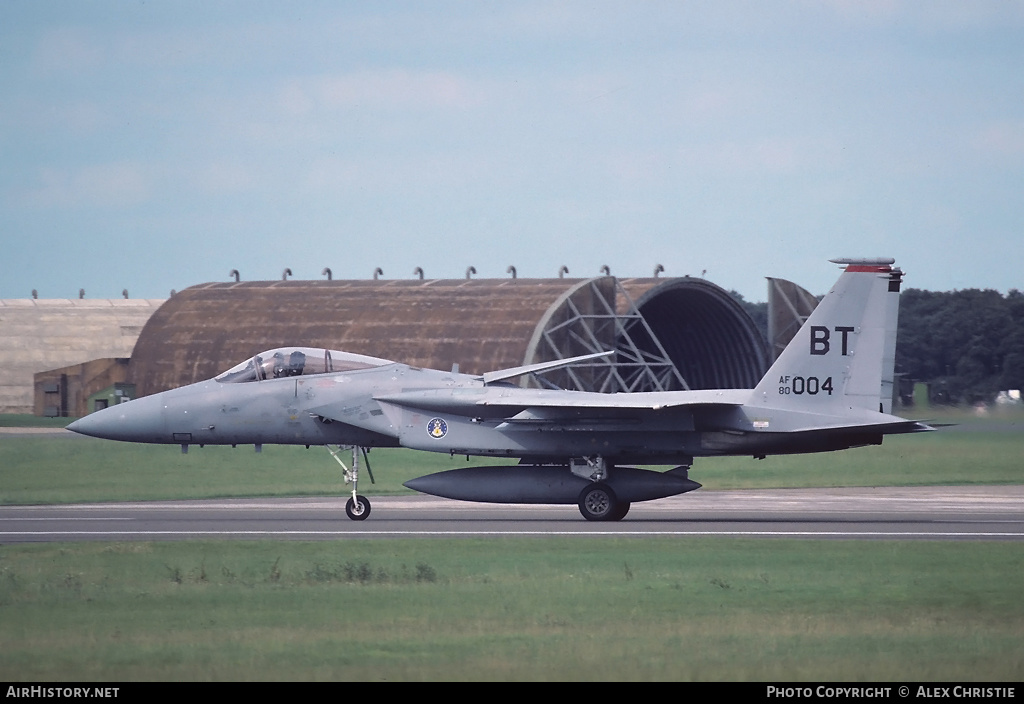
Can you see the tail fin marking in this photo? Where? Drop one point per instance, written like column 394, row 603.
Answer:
column 843, row 355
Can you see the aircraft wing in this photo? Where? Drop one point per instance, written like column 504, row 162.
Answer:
column 516, row 409
column 497, row 401
column 517, row 405
column 529, row 409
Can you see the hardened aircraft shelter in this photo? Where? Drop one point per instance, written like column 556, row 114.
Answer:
column 674, row 333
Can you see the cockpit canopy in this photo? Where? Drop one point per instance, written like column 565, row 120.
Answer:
column 297, row 361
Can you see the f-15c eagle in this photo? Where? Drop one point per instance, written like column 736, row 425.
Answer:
column 830, row 389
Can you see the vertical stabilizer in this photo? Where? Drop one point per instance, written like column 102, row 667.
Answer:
column 844, row 354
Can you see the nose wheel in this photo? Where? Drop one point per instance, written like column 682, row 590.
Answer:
column 357, row 507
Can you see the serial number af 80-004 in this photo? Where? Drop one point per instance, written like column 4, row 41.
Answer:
column 799, row 385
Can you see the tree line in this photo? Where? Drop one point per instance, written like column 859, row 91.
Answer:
column 968, row 345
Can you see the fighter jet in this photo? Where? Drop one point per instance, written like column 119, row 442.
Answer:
column 830, row 389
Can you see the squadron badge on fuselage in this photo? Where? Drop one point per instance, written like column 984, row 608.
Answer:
column 437, row 428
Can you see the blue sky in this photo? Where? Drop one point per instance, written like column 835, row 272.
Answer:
column 151, row 146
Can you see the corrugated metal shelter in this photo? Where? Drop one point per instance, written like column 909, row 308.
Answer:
column 479, row 324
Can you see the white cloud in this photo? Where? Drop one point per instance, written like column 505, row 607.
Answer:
column 768, row 156
column 1004, row 140
column 222, row 177
column 115, row 184
column 66, row 52
column 388, row 89
column 942, row 15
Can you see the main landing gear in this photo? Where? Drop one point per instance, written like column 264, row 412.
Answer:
column 597, row 501
column 358, row 507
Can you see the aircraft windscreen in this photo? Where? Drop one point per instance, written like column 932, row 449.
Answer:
column 302, row 361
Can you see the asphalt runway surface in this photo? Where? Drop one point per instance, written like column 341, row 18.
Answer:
column 903, row 513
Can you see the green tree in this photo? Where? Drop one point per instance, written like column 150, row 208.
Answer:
column 970, row 341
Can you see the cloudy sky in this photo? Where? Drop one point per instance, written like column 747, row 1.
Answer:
column 154, row 145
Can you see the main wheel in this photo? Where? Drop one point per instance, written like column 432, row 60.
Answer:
column 597, row 502
column 358, row 509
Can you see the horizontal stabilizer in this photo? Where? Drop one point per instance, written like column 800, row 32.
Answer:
column 895, row 428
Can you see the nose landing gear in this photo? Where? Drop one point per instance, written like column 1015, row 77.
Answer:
column 358, row 507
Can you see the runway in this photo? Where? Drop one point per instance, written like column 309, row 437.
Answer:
column 907, row 513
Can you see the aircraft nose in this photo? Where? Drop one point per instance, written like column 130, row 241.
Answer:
column 139, row 420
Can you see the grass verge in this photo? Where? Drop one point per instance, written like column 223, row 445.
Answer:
column 513, row 609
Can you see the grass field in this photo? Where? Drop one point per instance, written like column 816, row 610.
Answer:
column 504, row 609
column 513, row 609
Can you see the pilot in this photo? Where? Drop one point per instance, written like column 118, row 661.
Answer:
column 296, row 363
column 277, row 365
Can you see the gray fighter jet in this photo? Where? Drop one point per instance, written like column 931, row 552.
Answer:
column 830, row 389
